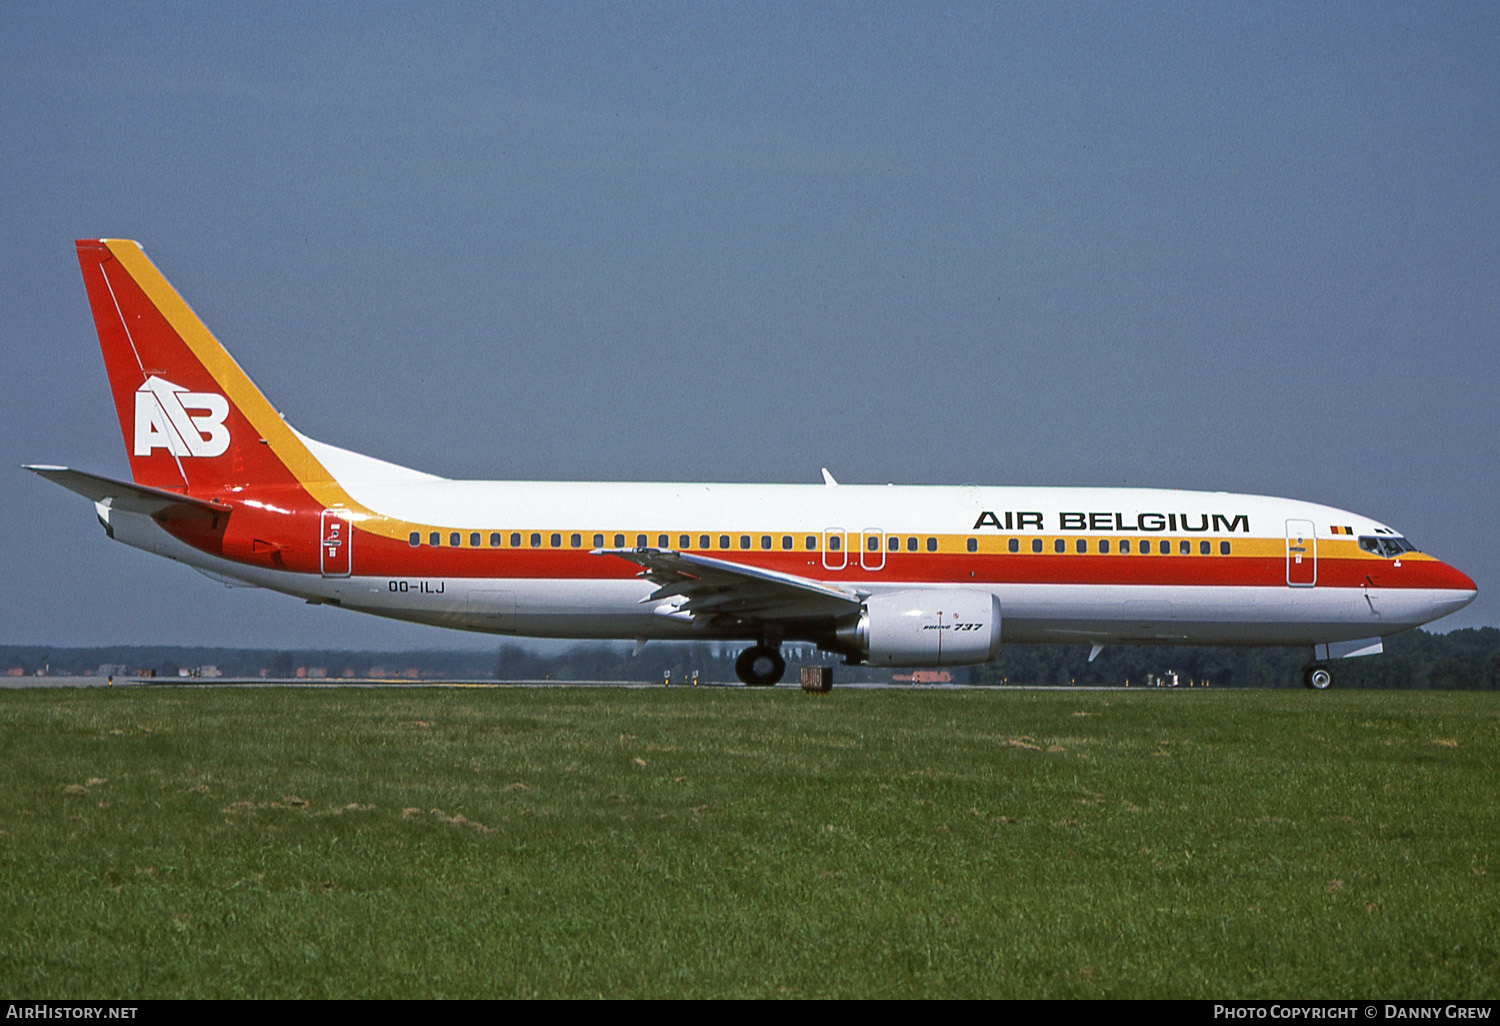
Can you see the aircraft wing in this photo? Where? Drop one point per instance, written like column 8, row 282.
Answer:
column 132, row 498
column 720, row 588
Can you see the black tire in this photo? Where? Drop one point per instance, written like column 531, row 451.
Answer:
column 1318, row 678
column 760, row 666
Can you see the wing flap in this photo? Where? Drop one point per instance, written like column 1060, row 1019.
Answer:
column 719, row 587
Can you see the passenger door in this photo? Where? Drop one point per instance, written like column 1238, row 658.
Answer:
column 336, row 531
column 1301, row 554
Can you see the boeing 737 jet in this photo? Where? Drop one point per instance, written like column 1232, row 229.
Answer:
column 885, row 576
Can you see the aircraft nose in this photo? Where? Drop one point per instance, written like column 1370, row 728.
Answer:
column 1460, row 588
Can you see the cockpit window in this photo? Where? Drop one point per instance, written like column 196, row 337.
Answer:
column 1388, row 546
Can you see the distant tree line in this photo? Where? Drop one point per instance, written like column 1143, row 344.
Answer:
column 1463, row 659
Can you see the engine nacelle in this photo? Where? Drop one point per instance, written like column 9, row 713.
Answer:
column 938, row 627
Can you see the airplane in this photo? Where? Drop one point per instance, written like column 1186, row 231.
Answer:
column 909, row 576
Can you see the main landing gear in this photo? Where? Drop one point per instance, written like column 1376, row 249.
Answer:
column 760, row 666
column 1317, row 677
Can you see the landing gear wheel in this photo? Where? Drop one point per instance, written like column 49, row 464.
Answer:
column 760, row 666
column 1318, row 678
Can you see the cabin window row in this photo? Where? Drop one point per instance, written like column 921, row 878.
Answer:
column 766, row 542
column 575, row 540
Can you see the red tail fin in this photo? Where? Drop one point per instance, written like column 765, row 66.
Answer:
column 191, row 418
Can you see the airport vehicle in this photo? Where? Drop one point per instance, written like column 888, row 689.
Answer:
column 899, row 576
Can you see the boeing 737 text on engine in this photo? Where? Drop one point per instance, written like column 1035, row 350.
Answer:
column 890, row 576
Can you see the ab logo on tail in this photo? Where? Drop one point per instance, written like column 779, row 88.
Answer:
column 163, row 420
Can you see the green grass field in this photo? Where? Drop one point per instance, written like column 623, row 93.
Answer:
column 448, row 842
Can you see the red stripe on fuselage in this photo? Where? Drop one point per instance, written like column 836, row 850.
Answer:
column 377, row 556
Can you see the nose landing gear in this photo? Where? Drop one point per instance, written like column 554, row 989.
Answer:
column 760, row 666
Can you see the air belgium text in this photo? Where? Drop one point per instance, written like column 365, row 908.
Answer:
column 1030, row 520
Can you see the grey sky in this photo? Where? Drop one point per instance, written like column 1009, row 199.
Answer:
column 1250, row 247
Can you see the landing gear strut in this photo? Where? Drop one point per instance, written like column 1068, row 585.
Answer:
column 760, row 666
column 1317, row 677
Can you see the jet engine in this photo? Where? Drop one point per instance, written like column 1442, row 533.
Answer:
column 937, row 627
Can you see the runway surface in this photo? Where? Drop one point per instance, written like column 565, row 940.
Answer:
column 18, row 683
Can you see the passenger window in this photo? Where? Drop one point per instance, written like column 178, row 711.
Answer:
column 893, row 543
column 1203, row 548
column 786, row 541
column 1146, row 547
column 684, row 541
column 455, row 539
column 1184, row 548
column 495, row 539
column 619, row 541
column 515, row 539
column 434, row 539
column 1223, row 548
column 536, row 540
column 834, row 541
column 556, row 540
column 1059, row 546
column 474, row 539
column 1036, row 545
column 931, row 544
column 598, row 541
column 1124, row 546
column 1081, row 545
column 972, row 544
column 723, row 541
column 765, row 541
column 1165, row 548
column 1014, row 545
column 575, row 540
column 744, row 541
column 641, row 541
column 415, row 539
column 810, row 543
column 872, row 544
column 705, row 542
column 664, row 541
column 1104, row 546
column 911, row 545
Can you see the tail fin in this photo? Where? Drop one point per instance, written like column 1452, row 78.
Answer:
column 191, row 418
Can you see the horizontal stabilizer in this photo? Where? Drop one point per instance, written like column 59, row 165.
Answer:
column 132, row 498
